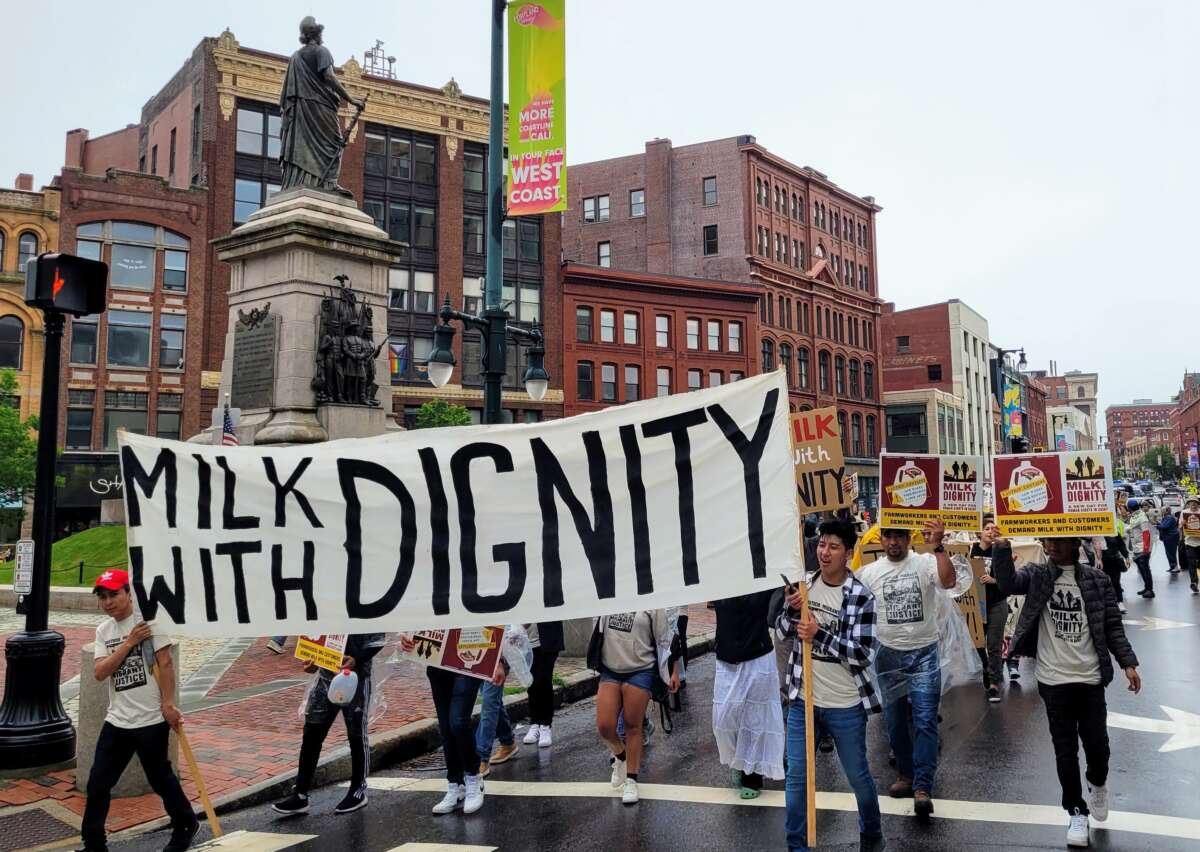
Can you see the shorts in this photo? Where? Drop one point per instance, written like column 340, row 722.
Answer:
column 643, row 679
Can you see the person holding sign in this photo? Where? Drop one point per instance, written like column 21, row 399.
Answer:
column 1070, row 623
column 319, row 713
column 905, row 584
column 1190, row 521
column 141, row 714
column 1137, row 532
column 841, row 629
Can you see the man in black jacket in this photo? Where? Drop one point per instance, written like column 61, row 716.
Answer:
column 1070, row 623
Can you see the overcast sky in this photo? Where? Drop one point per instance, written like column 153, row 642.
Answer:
column 1037, row 160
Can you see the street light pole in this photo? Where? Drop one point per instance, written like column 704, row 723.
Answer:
column 494, row 314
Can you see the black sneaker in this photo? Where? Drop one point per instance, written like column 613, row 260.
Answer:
column 354, row 800
column 1144, row 592
column 297, row 803
column 1195, row 589
column 181, row 838
column 993, row 695
column 1013, row 674
column 870, row 844
column 1148, row 594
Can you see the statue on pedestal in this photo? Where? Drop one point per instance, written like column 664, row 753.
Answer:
column 346, row 351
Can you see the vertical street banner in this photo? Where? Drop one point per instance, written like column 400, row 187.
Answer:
column 1011, row 413
column 537, row 115
column 1055, row 494
column 325, row 652
column 820, row 465
column 474, row 651
column 920, row 488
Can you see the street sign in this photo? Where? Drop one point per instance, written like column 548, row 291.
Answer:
column 23, row 574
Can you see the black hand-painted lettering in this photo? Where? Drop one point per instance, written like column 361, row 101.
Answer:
column 289, row 487
column 229, row 520
column 513, row 553
column 203, row 493
column 235, row 550
column 676, row 426
column 439, row 522
column 173, row 600
column 302, row 584
column 637, row 509
column 135, row 477
column 349, row 472
column 210, row 586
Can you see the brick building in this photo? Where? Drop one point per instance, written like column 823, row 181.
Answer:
column 1126, row 422
column 1076, row 390
column 1186, row 424
column 639, row 335
column 1036, row 426
column 730, row 210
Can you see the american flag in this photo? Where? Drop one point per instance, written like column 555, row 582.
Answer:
column 229, row 437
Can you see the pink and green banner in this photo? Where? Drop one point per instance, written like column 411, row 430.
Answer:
column 537, row 116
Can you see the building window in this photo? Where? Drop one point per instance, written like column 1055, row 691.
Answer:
column 175, row 269
column 630, row 329
column 604, row 254
column 473, row 236
column 123, row 409
column 785, row 360
column 171, row 157
column 854, row 368
column 768, row 356
column 870, row 436
column 608, row 382
column 167, row 420
column 842, row 426
column 709, row 187
column 802, row 367
column 83, row 339
column 596, row 209
column 81, row 410
column 633, row 382
column 257, row 132
column 637, row 203
column 735, row 336
column 662, row 331
column 714, row 335
column 171, row 330
column 693, row 334
column 856, row 442
column 408, row 355
column 694, row 377
column 736, row 375
column 608, row 327
column 129, row 340
column 710, row 240
column 27, row 249
column 474, row 170
column 583, row 324
column 823, row 372
column 906, row 425
column 154, row 159
column 934, row 372
column 902, row 344
column 839, row 373
column 249, row 195
column 714, row 378
column 410, row 290
column 12, row 339
column 663, row 381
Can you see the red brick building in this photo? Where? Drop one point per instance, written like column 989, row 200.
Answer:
column 1187, row 418
column 730, row 210
column 639, row 335
column 1135, row 420
column 1036, row 395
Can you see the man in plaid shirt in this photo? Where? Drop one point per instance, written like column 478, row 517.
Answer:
column 841, row 630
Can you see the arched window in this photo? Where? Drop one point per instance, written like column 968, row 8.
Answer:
column 27, row 249
column 1, row 251
column 758, row 190
column 1079, row 393
column 785, row 358
column 856, row 442
column 768, row 356
column 823, row 371
column 12, row 339
column 870, row 436
column 854, row 379
column 802, row 366
column 869, row 380
column 842, row 432
column 839, row 373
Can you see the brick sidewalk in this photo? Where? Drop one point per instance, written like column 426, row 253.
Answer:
column 255, row 738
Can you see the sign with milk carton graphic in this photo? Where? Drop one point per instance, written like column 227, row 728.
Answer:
column 1055, row 494
column 921, row 488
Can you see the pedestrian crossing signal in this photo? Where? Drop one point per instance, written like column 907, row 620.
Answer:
column 66, row 283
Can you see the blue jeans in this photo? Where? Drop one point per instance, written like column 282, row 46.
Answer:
column 848, row 727
column 493, row 721
column 912, row 680
column 454, row 699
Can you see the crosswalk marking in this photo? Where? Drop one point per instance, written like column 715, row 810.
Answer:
column 255, row 841
column 1000, row 812
column 442, row 847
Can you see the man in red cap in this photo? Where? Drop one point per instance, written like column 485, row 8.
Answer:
column 140, row 715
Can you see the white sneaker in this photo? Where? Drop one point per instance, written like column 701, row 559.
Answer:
column 1078, row 831
column 544, row 738
column 1121, row 608
column 1098, row 802
column 274, row 647
column 619, row 770
column 473, row 800
column 630, row 794
column 450, row 802
column 532, row 735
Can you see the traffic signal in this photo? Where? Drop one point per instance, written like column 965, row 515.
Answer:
column 66, row 283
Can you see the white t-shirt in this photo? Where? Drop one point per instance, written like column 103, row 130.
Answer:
column 133, row 697
column 833, row 687
column 905, row 616
column 1066, row 652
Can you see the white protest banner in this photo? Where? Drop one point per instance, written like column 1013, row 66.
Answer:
column 654, row 504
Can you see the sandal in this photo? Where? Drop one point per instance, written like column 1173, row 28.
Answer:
column 744, row 792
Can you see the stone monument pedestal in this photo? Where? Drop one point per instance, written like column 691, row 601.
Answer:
column 283, row 261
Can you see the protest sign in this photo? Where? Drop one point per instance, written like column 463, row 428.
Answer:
column 473, row 651
column 970, row 603
column 653, row 504
column 921, row 488
column 323, row 651
column 1054, row 494
column 820, row 466
column 1189, row 522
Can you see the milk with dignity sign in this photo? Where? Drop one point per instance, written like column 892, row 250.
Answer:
column 1055, row 494
column 657, row 503
column 820, row 465
column 920, row 488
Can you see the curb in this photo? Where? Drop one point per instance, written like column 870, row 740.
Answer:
column 62, row 598
column 390, row 747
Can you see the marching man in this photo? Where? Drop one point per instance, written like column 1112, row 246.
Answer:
column 141, row 714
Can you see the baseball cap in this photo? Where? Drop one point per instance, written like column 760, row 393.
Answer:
column 113, row 580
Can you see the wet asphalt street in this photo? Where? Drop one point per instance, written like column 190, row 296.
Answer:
column 996, row 785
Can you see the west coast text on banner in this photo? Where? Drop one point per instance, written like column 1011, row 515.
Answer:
column 326, row 652
column 653, row 504
column 820, row 465
column 537, row 112
column 1055, row 494
column 918, row 488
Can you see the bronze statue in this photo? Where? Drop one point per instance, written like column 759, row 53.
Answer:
column 346, row 351
column 310, row 133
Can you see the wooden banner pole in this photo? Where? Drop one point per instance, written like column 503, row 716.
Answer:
column 186, row 747
column 810, row 764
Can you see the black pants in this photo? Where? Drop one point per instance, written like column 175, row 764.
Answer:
column 454, row 699
column 1193, row 560
column 541, row 691
column 1113, row 568
column 1142, row 560
column 319, row 715
column 1077, row 713
column 114, row 749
